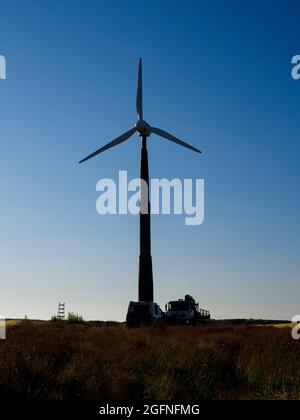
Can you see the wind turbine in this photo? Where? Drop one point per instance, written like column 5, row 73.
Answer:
column 144, row 130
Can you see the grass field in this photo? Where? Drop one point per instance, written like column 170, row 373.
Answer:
column 52, row 361
column 12, row 322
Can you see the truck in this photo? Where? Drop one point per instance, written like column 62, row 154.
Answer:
column 143, row 313
column 185, row 312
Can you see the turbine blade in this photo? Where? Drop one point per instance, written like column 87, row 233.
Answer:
column 113, row 143
column 139, row 97
column 170, row 137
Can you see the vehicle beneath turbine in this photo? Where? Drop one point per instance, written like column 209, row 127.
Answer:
column 186, row 312
column 177, row 312
column 143, row 313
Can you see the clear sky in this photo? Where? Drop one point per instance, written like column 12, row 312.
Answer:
column 218, row 75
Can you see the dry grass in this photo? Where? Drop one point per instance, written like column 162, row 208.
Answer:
column 287, row 326
column 49, row 361
column 12, row 322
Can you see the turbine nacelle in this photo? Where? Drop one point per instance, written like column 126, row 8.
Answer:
column 143, row 128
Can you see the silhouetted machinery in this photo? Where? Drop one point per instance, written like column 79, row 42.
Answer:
column 178, row 312
column 186, row 312
column 143, row 313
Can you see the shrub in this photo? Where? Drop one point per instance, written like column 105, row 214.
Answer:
column 74, row 318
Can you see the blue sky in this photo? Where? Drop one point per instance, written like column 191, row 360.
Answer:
column 218, row 75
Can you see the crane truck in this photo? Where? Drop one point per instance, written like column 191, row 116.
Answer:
column 185, row 312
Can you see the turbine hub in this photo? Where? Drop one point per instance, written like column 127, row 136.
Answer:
column 143, row 128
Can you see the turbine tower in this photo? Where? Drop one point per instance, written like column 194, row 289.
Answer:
column 144, row 130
